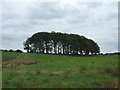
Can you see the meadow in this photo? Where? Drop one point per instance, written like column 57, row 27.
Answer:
column 26, row 70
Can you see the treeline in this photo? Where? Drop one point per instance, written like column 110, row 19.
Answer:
column 115, row 53
column 60, row 43
column 100, row 54
column 11, row 50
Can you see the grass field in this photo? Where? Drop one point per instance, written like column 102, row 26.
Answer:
column 57, row 71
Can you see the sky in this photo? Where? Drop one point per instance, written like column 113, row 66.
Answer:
column 95, row 20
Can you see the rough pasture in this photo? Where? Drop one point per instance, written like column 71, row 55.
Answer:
column 57, row 71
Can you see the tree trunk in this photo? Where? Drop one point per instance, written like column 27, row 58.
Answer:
column 63, row 49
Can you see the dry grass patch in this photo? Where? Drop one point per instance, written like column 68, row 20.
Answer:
column 109, row 70
column 15, row 62
column 57, row 72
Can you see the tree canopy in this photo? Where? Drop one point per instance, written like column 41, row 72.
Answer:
column 60, row 43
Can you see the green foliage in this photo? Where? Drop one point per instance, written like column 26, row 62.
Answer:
column 60, row 43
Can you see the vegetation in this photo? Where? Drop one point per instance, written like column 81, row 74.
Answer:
column 9, row 56
column 29, row 70
column 60, row 43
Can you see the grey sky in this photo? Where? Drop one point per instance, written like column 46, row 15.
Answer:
column 95, row 20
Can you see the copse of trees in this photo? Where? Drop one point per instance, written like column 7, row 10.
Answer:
column 60, row 43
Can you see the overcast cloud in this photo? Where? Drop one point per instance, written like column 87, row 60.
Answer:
column 94, row 20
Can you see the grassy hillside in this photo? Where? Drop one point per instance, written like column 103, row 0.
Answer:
column 57, row 71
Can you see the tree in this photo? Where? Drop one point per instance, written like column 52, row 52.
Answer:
column 60, row 43
column 26, row 45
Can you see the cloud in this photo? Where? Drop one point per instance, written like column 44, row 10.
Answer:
column 95, row 20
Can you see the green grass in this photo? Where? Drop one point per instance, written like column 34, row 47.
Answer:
column 57, row 71
column 9, row 56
